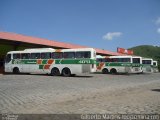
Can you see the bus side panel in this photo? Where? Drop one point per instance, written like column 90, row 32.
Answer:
column 147, row 68
column 120, row 69
column 87, row 68
column 74, row 68
column 8, row 67
column 33, row 68
column 136, row 70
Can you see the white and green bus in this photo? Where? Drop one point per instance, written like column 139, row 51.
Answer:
column 64, row 62
column 155, row 66
column 118, row 64
column 137, row 60
column 147, row 64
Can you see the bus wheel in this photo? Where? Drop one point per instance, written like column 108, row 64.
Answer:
column 66, row 72
column 105, row 71
column 55, row 72
column 113, row 71
column 16, row 70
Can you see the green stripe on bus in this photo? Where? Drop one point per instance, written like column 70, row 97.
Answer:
column 60, row 61
column 24, row 61
column 41, row 66
column 136, row 65
column 75, row 61
column 115, row 64
column 44, row 61
column 120, row 64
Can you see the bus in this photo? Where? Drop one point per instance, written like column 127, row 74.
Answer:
column 118, row 64
column 137, row 60
column 147, row 64
column 66, row 62
column 133, row 61
column 155, row 66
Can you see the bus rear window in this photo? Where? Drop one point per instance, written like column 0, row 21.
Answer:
column 69, row 54
column 46, row 55
column 16, row 56
column 57, row 55
column 35, row 55
column 84, row 54
column 25, row 55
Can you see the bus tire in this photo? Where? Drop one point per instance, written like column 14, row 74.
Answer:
column 16, row 70
column 113, row 71
column 55, row 72
column 105, row 71
column 66, row 72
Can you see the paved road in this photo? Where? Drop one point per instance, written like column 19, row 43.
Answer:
column 89, row 93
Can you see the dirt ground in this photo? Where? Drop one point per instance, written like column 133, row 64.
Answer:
column 90, row 93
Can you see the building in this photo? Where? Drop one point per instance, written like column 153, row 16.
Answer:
column 12, row 41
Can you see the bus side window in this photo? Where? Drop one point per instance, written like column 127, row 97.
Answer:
column 46, row 55
column 16, row 56
column 35, row 56
column 25, row 56
column 8, row 58
column 99, row 59
column 69, row 54
column 84, row 54
column 115, row 60
column 107, row 60
column 57, row 55
column 87, row 54
column 128, row 60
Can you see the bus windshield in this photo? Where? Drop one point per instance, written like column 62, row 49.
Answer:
column 146, row 62
column 154, row 63
column 136, row 60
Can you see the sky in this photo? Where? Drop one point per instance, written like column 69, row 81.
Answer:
column 104, row 24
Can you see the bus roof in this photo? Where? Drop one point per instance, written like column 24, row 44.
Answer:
column 99, row 56
column 155, row 61
column 126, row 56
column 39, row 49
column 136, row 57
column 147, row 59
column 78, row 49
column 34, row 50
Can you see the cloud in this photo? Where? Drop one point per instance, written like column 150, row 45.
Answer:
column 158, row 30
column 111, row 35
column 158, row 21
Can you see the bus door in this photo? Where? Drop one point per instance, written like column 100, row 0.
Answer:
column 1, row 65
column 8, row 63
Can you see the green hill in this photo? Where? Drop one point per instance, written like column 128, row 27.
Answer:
column 147, row 51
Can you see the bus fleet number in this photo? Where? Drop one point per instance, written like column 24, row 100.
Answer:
column 84, row 61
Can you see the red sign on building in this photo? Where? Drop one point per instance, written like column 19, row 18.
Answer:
column 125, row 51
